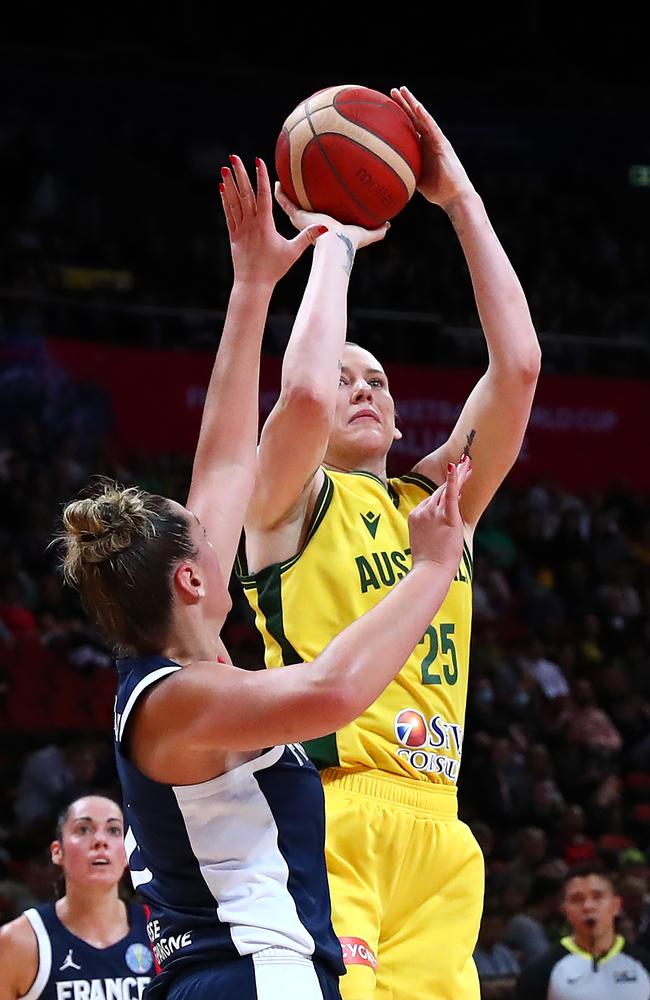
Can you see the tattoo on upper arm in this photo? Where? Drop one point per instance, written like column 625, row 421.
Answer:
column 350, row 250
column 468, row 443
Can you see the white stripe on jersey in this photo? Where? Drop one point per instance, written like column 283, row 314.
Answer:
column 281, row 973
column 151, row 678
column 299, row 753
column 44, row 955
column 229, row 818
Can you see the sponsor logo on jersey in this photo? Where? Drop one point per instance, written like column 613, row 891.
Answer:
column 625, row 977
column 356, row 951
column 411, row 728
column 165, row 947
column 371, row 521
column 69, row 963
column 434, row 748
column 120, row 988
column 138, row 957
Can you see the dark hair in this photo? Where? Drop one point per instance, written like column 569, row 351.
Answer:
column 58, row 885
column 587, row 868
column 120, row 546
column 62, row 818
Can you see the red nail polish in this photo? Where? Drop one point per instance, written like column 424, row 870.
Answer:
column 224, row 171
column 222, row 188
column 231, row 158
column 258, row 162
column 322, row 229
column 450, row 467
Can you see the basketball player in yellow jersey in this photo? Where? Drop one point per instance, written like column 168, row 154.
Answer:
column 326, row 538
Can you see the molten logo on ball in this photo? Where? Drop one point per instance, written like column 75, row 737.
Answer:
column 410, row 728
column 379, row 190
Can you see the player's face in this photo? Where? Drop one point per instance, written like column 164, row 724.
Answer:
column 364, row 423
column 590, row 905
column 91, row 849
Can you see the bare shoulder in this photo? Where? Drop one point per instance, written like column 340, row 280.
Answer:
column 163, row 728
column 273, row 543
column 18, row 958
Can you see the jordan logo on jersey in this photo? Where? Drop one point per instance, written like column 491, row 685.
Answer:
column 69, row 963
column 371, row 522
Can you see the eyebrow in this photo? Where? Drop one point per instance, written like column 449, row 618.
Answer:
column 89, row 819
column 367, row 371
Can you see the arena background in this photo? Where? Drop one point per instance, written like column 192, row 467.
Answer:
column 114, row 273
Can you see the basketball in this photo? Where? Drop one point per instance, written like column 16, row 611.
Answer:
column 351, row 153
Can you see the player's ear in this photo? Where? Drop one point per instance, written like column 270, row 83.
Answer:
column 56, row 853
column 397, row 434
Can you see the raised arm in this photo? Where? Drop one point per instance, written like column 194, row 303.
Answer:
column 224, row 465
column 492, row 423
column 295, row 435
column 230, row 709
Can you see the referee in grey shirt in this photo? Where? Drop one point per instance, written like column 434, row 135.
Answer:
column 594, row 962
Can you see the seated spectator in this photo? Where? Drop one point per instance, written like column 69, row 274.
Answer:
column 587, row 725
column 531, row 847
column 497, row 964
column 527, row 933
column 635, row 902
column 50, row 777
column 548, row 675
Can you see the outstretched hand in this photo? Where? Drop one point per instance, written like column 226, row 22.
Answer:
column 259, row 253
column 436, row 525
column 358, row 236
column 443, row 177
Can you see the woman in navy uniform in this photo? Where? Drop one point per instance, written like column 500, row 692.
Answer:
column 89, row 943
column 225, row 812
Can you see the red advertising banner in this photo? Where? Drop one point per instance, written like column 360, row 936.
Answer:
column 584, row 432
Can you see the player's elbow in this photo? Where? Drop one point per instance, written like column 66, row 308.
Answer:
column 531, row 363
column 522, row 367
column 308, row 403
column 336, row 703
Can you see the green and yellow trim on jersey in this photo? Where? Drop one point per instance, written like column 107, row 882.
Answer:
column 356, row 550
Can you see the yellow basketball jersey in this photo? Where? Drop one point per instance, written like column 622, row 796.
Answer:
column 357, row 548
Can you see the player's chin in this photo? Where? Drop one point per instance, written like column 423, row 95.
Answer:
column 107, row 873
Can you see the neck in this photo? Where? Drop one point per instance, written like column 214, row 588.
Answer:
column 596, row 944
column 96, row 914
column 376, row 466
column 192, row 638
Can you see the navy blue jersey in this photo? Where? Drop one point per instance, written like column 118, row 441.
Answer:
column 232, row 865
column 71, row 969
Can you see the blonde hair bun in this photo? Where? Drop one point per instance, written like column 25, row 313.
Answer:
column 102, row 526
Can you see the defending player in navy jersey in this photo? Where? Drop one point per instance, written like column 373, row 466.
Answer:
column 225, row 812
column 89, row 944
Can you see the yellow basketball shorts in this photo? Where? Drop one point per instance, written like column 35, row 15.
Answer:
column 407, row 881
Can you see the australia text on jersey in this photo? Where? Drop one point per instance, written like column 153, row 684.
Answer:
column 384, row 569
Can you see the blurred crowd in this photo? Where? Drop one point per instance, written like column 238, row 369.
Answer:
column 112, row 226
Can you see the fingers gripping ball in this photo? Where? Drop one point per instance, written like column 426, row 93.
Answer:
column 351, row 153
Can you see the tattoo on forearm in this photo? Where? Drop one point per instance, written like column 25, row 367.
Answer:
column 350, row 249
column 468, row 443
